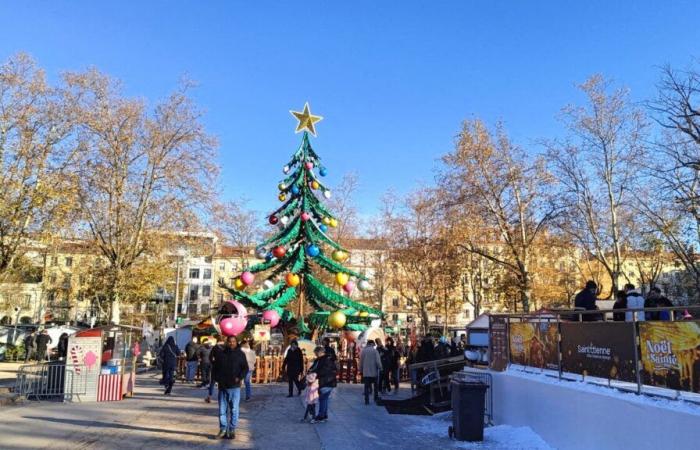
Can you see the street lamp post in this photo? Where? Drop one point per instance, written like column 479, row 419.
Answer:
column 181, row 252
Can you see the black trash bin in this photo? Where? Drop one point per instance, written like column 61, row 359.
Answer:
column 468, row 399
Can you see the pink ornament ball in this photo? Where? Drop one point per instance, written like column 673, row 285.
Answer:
column 233, row 326
column 272, row 316
column 247, row 278
column 348, row 287
column 309, row 165
column 305, row 217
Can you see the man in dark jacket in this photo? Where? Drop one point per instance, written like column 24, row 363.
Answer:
column 390, row 364
column 329, row 350
column 326, row 373
column 42, row 344
column 29, row 346
column 168, row 356
column 192, row 355
column 230, row 367
column 586, row 299
column 294, row 365
column 204, row 353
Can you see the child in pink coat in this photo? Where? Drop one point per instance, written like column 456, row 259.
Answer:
column 311, row 396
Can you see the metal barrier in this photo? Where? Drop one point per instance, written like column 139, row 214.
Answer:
column 480, row 376
column 50, row 381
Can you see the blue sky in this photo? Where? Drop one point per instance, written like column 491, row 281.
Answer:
column 392, row 79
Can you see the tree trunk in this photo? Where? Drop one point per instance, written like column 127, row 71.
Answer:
column 115, row 310
column 526, row 291
column 424, row 317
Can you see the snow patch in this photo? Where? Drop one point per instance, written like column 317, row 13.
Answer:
column 501, row 437
column 670, row 404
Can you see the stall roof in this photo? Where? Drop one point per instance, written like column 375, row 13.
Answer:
column 481, row 322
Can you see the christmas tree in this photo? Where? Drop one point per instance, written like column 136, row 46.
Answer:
column 292, row 289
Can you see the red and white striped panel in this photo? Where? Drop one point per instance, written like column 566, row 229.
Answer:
column 109, row 388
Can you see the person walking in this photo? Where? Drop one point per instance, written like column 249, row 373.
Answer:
column 391, row 368
column 380, row 376
column 230, row 367
column 29, row 346
column 192, row 358
column 250, row 357
column 326, row 372
column 62, row 346
column 442, row 350
column 42, row 344
column 293, row 364
column 168, row 356
column 370, row 367
column 205, row 362
column 215, row 351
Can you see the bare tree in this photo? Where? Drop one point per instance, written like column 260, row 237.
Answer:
column 141, row 174
column 495, row 198
column 235, row 224
column 420, row 260
column 35, row 157
column 672, row 206
column 597, row 169
column 342, row 204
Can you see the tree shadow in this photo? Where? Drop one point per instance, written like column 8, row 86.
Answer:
column 91, row 423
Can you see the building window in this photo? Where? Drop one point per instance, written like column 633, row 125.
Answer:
column 395, row 302
column 207, row 260
column 69, row 261
column 234, row 266
column 192, row 309
column 395, row 317
column 81, row 279
column 220, row 297
column 467, row 314
column 245, row 265
column 409, row 302
column 52, row 278
column 222, row 267
column 66, row 279
column 194, row 274
column 194, row 291
column 205, row 309
column 27, row 301
column 207, row 274
column 54, row 260
column 206, row 291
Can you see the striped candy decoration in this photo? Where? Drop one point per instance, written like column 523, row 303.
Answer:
column 109, row 388
column 75, row 359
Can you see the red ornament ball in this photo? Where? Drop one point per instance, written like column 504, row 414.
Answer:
column 309, row 165
column 305, row 216
column 279, row 251
column 273, row 220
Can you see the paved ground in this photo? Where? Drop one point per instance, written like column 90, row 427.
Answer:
column 269, row 421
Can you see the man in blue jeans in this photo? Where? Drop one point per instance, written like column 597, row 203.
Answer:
column 326, row 371
column 230, row 367
column 192, row 355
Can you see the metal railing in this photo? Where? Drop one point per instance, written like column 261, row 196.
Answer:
column 676, row 313
column 50, row 381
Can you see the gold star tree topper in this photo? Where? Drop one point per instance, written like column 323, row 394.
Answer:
column 306, row 120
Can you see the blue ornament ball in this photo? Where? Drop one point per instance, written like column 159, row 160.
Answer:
column 323, row 172
column 312, row 250
column 323, row 227
column 268, row 258
column 295, row 190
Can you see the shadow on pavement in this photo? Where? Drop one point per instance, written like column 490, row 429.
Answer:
column 89, row 423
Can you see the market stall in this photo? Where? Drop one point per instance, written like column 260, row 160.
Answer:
column 102, row 362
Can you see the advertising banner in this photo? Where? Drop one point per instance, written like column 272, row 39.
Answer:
column 498, row 343
column 534, row 344
column 599, row 349
column 670, row 354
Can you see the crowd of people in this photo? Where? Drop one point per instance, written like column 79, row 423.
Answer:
column 228, row 365
column 36, row 346
column 626, row 299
